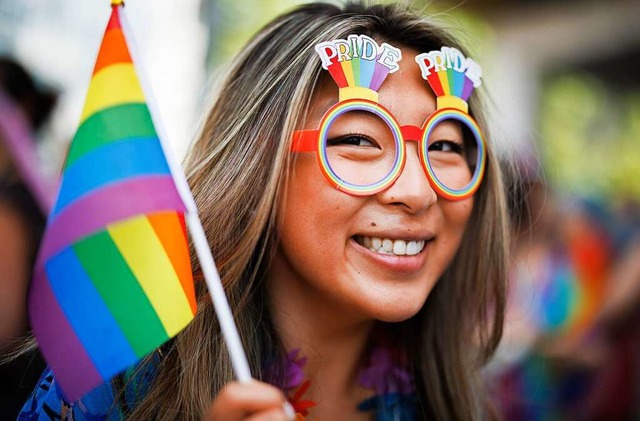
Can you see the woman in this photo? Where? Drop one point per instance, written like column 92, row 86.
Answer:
column 357, row 302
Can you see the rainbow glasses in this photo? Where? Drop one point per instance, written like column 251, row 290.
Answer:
column 360, row 146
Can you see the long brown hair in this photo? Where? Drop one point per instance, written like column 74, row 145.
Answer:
column 237, row 170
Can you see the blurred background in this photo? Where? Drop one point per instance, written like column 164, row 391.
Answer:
column 563, row 79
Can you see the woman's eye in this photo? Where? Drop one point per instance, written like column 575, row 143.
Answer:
column 447, row 146
column 352, row 140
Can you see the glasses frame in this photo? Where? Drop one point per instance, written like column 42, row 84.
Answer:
column 316, row 140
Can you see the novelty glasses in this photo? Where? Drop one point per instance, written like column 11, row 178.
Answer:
column 361, row 148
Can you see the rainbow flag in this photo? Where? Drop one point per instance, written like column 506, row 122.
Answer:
column 113, row 277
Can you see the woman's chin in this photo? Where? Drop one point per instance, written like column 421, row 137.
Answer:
column 396, row 312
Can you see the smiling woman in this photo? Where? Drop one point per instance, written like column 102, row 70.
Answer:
column 356, row 212
column 370, row 280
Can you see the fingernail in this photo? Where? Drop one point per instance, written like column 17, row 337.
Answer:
column 289, row 411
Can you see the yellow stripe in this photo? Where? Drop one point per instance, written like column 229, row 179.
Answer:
column 444, row 81
column 150, row 264
column 113, row 85
column 348, row 72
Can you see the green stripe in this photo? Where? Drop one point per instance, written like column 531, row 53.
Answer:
column 121, row 291
column 114, row 123
column 452, row 85
column 355, row 66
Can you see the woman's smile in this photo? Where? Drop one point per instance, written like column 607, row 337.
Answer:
column 383, row 245
column 402, row 256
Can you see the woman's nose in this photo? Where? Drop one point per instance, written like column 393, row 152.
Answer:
column 412, row 189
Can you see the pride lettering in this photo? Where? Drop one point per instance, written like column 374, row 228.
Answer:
column 358, row 46
column 449, row 58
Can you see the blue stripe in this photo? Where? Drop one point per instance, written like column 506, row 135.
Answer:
column 456, row 83
column 366, row 72
column 113, row 162
column 88, row 314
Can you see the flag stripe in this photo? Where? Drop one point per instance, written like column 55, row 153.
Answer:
column 133, row 120
column 121, row 291
column 114, row 20
column 89, row 316
column 113, row 85
column 112, row 203
column 104, row 166
column 147, row 259
column 58, row 342
column 113, row 50
column 168, row 228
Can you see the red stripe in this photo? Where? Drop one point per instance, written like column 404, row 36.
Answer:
column 337, row 73
column 114, row 20
column 434, row 81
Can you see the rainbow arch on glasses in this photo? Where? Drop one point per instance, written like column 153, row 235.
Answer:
column 323, row 159
column 451, row 75
column 358, row 65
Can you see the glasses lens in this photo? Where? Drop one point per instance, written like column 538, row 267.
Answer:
column 452, row 154
column 360, row 147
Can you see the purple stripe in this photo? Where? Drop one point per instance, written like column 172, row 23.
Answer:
column 379, row 75
column 468, row 88
column 110, row 204
column 59, row 344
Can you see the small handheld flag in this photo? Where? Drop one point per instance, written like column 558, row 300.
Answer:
column 113, row 276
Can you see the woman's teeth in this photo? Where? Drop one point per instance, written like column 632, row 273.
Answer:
column 388, row 246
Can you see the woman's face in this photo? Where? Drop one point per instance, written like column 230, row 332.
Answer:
column 323, row 262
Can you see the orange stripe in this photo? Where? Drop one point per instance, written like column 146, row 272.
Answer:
column 113, row 50
column 170, row 230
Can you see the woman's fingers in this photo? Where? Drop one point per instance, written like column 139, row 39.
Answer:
column 248, row 401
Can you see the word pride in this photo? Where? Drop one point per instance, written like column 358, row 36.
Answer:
column 358, row 46
column 449, row 58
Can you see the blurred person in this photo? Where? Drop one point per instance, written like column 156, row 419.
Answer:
column 24, row 108
column 570, row 347
column 616, row 390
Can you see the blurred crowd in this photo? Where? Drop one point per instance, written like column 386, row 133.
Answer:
column 571, row 348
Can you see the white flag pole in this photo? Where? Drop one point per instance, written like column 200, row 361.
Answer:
column 209, row 270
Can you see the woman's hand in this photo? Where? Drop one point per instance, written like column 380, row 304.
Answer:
column 251, row 401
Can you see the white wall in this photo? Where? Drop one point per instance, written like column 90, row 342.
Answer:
column 58, row 41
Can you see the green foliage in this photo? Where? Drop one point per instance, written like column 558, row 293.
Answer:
column 590, row 137
column 236, row 21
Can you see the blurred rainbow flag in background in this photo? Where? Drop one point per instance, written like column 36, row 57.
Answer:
column 113, row 277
